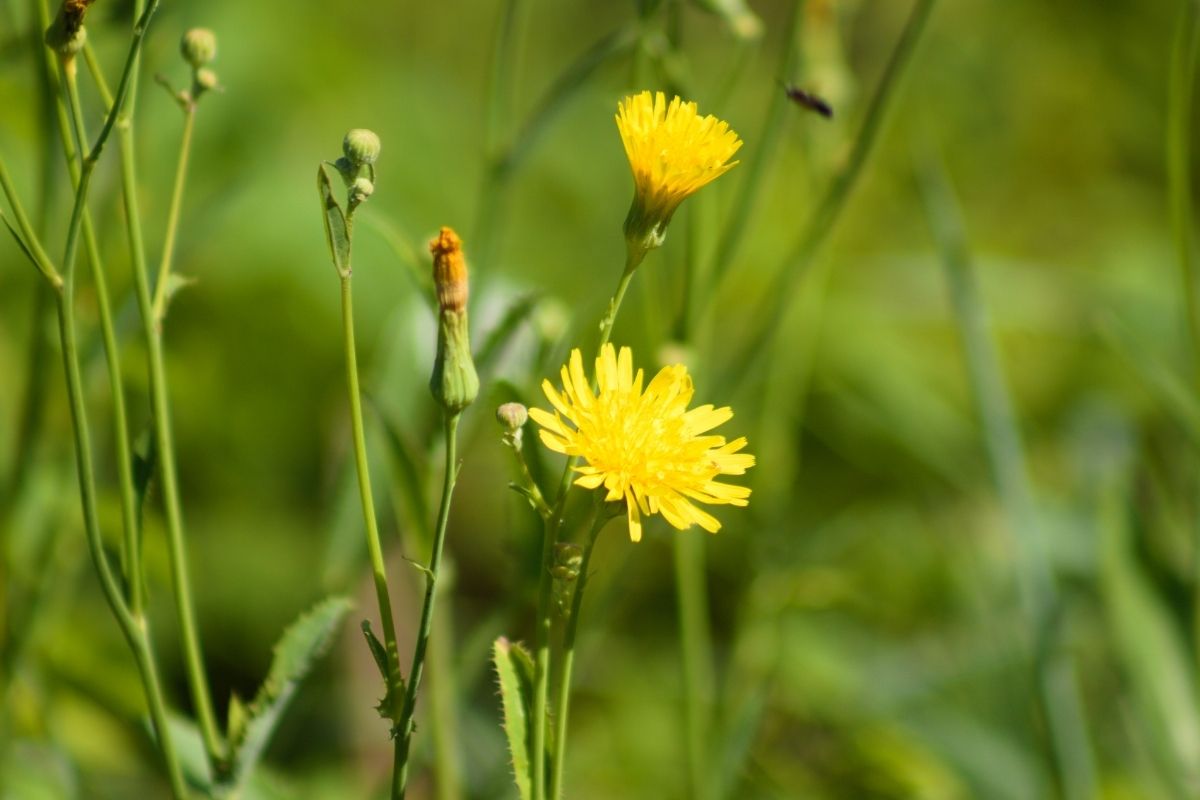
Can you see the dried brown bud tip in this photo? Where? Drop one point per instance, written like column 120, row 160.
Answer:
column 449, row 271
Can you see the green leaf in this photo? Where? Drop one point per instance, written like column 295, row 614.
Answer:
column 514, row 670
column 299, row 647
column 337, row 236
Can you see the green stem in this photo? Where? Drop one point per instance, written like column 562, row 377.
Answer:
column 1055, row 673
column 443, row 707
column 1178, row 146
column 431, row 578
column 499, row 107
column 541, row 663
column 132, row 538
column 822, row 221
column 97, row 73
column 164, row 267
column 756, row 169
column 692, row 596
column 374, row 548
column 562, row 702
column 41, row 260
column 133, row 627
column 152, row 331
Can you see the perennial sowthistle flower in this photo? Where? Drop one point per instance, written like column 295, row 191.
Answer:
column 673, row 152
column 645, row 447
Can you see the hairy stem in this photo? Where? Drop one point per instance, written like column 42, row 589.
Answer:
column 562, row 702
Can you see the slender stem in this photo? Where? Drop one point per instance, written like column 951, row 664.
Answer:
column 692, row 596
column 756, row 169
column 431, row 578
column 164, row 267
column 374, row 548
column 562, row 702
column 1054, row 671
column 541, row 663
column 443, row 707
column 499, row 107
column 131, row 551
column 43, row 262
column 160, row 411
column 821, row 222
column 97, row 73
column 133, row 628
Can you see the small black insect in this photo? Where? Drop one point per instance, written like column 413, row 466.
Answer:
column 808, row 100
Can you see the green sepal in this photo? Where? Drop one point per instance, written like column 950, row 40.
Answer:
column 454, row 383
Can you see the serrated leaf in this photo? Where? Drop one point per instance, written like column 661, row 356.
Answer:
column 299, row 647
column 514, row 670
column 336, row 234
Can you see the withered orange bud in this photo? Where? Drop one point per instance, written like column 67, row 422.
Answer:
column 449, row 270
column 455, row 383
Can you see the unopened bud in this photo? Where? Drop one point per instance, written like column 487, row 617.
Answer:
column 455, row 383
column 360, row 190
column 198, row 46
column 512, row 416
column 449, row 271
column 361, row 146
column 206, row 80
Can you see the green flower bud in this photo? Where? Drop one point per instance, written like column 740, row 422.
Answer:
column 198, row 46
column 512, row 416
column 206, row 80
column 361, row 146
column 360, row 190
column 454, row 383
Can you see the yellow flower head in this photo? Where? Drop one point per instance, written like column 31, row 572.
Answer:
column 673, row 151
column 643, row 446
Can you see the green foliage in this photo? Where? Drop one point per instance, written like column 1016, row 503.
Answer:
column 250, row 726
column 514, row 672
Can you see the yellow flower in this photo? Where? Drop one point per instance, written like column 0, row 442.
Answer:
column 643, row 446
column 673, row 151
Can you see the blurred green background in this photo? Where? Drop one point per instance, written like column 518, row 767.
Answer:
column 868, row 639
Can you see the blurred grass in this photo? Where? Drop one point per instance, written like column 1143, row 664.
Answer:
column 868, row 642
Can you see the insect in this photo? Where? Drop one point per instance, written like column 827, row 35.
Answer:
column 808, row 100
